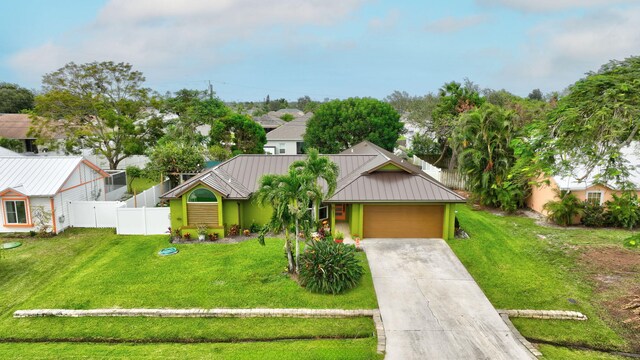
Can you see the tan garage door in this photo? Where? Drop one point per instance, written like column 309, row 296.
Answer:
column 403, row 221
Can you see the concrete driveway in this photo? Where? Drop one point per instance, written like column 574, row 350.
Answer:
column 431, row 307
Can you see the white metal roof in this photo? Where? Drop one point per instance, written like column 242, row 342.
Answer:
column 36, row 175
column 7, row 152
column 575, row 181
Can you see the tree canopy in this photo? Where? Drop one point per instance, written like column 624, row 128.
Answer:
column 100, row 105
column 340, row 124
column 592, row 124
column 14, row 98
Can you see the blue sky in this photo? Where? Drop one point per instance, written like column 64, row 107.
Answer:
column 322, row 48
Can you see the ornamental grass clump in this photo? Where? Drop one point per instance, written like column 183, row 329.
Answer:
column 330, row 268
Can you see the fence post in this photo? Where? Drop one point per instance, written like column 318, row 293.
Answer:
column 144, row 219
column 117, row 221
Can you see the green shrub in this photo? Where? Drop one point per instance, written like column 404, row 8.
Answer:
column 593, row 215
column 624, row 210
column 330, row 268
column 632, row 242
column 563, row 211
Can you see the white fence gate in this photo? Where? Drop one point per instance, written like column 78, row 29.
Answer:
column 94, row 214
column 142, row 221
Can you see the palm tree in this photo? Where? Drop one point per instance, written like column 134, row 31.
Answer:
column 289, row 196
column 318, row 167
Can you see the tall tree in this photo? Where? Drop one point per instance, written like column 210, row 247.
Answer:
column 483, row 138
column 173, row 157
column 318, row 167
column 289, row 196
column 14, row 98
column 599, row 116
column 340, row 124
column 101, row 106
column 248, row 137
column 455, row 99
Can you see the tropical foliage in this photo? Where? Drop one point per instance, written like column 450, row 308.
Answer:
column 595, row 120
column 623, row 210
column 289, row 195
column 565, row 210
column 318, row 167
column 329, row 267
column 483, row 138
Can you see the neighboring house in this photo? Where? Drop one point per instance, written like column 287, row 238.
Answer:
column 288, row 139
column 45, row 184
column 584, row 189
column 378, row 195
column 268, row 122
column 16, row 126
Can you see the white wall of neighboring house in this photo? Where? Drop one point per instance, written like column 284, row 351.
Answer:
column 84, row 184
column 288, row 146
column 34, row 204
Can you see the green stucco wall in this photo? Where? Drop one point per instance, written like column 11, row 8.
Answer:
column 253, row 213
column 231, row 213
column 355, row 218
column 448, row 227
column 175, row 206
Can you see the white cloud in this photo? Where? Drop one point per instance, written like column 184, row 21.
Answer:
column 452, row 24
column 551, row 5
column 559, row 52
column 386, row 23
column 157, row 36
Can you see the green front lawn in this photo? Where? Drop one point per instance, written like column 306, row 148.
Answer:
column 358, row 349
column 94, row 268
column 520, row 265
column 139, row 185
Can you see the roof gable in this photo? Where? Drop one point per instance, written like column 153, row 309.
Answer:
column 39, row 175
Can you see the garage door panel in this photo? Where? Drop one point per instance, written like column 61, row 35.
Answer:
column 403, row 221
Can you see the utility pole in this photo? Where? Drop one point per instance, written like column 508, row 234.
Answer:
column 210, row 91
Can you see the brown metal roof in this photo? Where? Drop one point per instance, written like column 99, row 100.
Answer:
column 293, row 130
column 392, row 187
column 358, row 181
column 15, row 126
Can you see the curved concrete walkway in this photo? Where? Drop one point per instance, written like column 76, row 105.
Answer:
column 432, row 308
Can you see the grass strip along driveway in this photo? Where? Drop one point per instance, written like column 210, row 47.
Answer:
column 521, row 265
column 93, row 268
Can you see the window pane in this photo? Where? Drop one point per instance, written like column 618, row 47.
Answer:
column 202, row 195
column 21, row 211
column 10, row 208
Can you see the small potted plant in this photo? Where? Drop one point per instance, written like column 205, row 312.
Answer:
column 356, row 238
column 339, row 238
column 202, row 232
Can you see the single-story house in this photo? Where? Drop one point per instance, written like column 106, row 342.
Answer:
column 45, row 184
column 288, row 139
column 583, row 187
column 379, row 195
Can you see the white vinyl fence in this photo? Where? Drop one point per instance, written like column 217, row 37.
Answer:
column 143, row 221
column 137, row 216
column 94, row 214
column 149, row 197
column 449, row 178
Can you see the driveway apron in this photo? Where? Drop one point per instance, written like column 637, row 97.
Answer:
column 432, row 308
